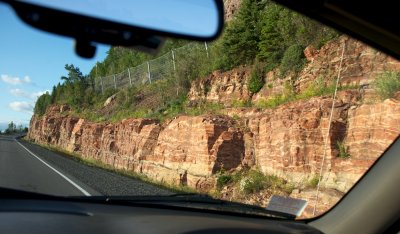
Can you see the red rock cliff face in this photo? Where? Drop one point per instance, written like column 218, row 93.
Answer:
column 187, row 151
column 290, row 140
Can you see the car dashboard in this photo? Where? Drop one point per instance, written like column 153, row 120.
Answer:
column 47, row 216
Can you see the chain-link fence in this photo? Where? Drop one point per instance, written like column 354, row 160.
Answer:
column 159, row 68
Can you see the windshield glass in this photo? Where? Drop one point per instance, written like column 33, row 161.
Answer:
column 280, row 112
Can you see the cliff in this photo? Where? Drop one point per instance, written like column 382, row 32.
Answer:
column 288, row 141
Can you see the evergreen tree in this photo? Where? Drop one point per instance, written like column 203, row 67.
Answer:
column 11, row 128
column 271, row 46
column 241, row 38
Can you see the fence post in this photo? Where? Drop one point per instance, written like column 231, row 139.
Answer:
column 205, row 45
column 115, row 83
column 101, row 80
column 129, row 75
column 173, row 59
column 102, row 88
column 148, row 71
column 175, row 75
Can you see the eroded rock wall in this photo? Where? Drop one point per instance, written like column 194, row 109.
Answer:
column 290, row 140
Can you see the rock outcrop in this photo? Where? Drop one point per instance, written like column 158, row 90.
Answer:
column 222, row 87
column 187, row 151
column 361, row 64
column 289, row 141
column 230, row 8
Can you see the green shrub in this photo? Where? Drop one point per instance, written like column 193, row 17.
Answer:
column 313, row 182
column 315, row 90
column 289, row 95
column 241, row 103
column 236, row 117
column 271, row 102
column 203, row 108
column 237, row 176
column 342, row 150
column 254, row 181
column 223, row 180
column 387, row 84
column 293, row 59
column 256, row 81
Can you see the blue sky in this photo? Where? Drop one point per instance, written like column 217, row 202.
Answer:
column 31, row 62
column 196, row 17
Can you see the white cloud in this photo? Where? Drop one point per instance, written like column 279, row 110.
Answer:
column 22, row 93
column 38, row 94
column 22, row 107
column 15, row 80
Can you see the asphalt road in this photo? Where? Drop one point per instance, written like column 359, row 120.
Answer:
column 29, row 167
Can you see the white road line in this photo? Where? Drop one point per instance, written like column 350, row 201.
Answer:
column 63, row 176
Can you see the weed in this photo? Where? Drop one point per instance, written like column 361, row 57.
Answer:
column 387, row 84
column 236, row 117
column 342, row 150
column 271, row 102
column 314, row 90
column 223, row 179
column 254, row 181
column 313, row 182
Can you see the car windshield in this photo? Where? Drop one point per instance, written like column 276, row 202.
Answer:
column 279, row 112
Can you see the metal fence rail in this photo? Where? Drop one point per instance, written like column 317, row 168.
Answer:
column 159, row 68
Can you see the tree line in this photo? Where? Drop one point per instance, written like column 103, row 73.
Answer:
column 262, row 34
column 13, row 128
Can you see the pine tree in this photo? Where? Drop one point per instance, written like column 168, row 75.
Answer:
column 240, row 41
column 271, row 44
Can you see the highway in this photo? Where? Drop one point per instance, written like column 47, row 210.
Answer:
column 29, row 167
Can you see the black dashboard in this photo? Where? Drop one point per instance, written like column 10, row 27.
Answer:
column 46, row 216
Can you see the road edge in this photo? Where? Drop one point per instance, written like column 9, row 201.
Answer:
column 86, row 193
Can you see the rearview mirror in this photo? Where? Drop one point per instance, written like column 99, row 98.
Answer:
column 142, row 24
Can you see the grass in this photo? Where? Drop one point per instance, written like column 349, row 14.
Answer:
column 169, row 105
column 129, row 173
column 173, row 108
column 181, row 107
column 272, row 102
column 237, row 103
column 313, row 90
